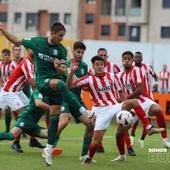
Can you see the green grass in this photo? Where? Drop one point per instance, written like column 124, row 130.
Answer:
column 71, row 142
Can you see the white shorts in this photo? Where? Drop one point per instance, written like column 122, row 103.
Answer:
column 104, row 115
column 145, row 106
column 15, row 100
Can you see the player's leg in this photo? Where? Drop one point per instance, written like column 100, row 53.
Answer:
column 8, row 118
column 155, row 110
column 133, row 104
column 68, row 96
column 133, row 132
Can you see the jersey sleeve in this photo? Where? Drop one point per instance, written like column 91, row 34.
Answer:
column 29, row 43
column 83, row 82
column 151, row 71
column 28, row 69
column 116, row 69
column 117, row 83
column 137, row 75
column 36, row 95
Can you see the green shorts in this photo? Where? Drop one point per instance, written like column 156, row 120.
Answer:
column 66, row 108
column 51, row 96
column 28, row 126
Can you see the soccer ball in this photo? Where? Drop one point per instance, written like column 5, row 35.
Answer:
column 124, row 118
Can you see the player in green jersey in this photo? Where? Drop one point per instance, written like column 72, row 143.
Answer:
column 50, row 64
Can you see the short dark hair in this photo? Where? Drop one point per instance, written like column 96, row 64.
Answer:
column 5, row 50
column 138, row 52
column 96, row 58
column 80, row 45
column 57, row 26
column 128, row 53
column 101, row 49
column 15, row 46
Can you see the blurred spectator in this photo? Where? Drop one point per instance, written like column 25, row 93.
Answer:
column 164, row 79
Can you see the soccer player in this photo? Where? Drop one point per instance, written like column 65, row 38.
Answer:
column 147, row 83
column 112, row 68
column 13, row 96
column 49, row 58
column 102, row 87
column 6, row 68
column 132, row 79
column 164, row 76
column 28, row 119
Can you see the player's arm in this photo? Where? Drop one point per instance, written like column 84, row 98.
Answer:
column 10, row 37
column 122, row 96
column 137, row 92
column 31, row 82
column 60, row 66
column 41, row 104
column 137, row 81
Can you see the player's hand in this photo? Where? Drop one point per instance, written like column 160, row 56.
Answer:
column 74, row 65
column 155, row 88
column 1, row 26
column 62, row 69
column 56, row 63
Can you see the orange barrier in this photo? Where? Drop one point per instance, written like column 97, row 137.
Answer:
column 162, row 99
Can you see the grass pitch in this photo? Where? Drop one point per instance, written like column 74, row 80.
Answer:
column 71, row 142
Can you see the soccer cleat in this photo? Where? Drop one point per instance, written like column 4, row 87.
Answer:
column 166, row 144
column 132, row 140
column 131, row 152
column 57, row 151
column 47, row 157
column 83, row 157
column 153, row 130
column 89, row 113
column 35, row 143
column 141, row 142
column 120, row 158
column 17, row 147
column 88, row 160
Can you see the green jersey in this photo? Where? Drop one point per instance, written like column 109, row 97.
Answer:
column 32, row 112
column 80, row 72
column 44, row 55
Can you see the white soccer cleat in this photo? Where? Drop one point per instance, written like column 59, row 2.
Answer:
column 166, row 144
column 47, row 157
column 132, row 140
column 83, row 157
column 89, row 113
column 120, row 158
column 141, row 143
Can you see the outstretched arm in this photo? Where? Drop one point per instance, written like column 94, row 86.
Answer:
column 10, row 37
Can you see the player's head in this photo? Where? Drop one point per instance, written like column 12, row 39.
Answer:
column 98, row 64
column 6, row 54
column 78, row 50
column 102, row 52
column 57, row 33
column 164, row 67
column 127, row 59
column 29, row 53
column 138, row 58
column 16, row 50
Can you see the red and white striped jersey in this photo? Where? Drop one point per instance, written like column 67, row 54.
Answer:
column 6, row 69
column 130, row 80
column 19, row 77
column 109, row 67
column 148, row 73
column 102, row 89
column 164, row 84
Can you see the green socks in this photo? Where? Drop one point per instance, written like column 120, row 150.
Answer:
column 6, row 136
column 8, row 118
column 52, row 129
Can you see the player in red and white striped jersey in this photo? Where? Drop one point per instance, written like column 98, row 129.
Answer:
column 164, row 77
column 102, row 87
column 148, row 74
column 132, row 81
column 109, row 66
column 6, row 68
